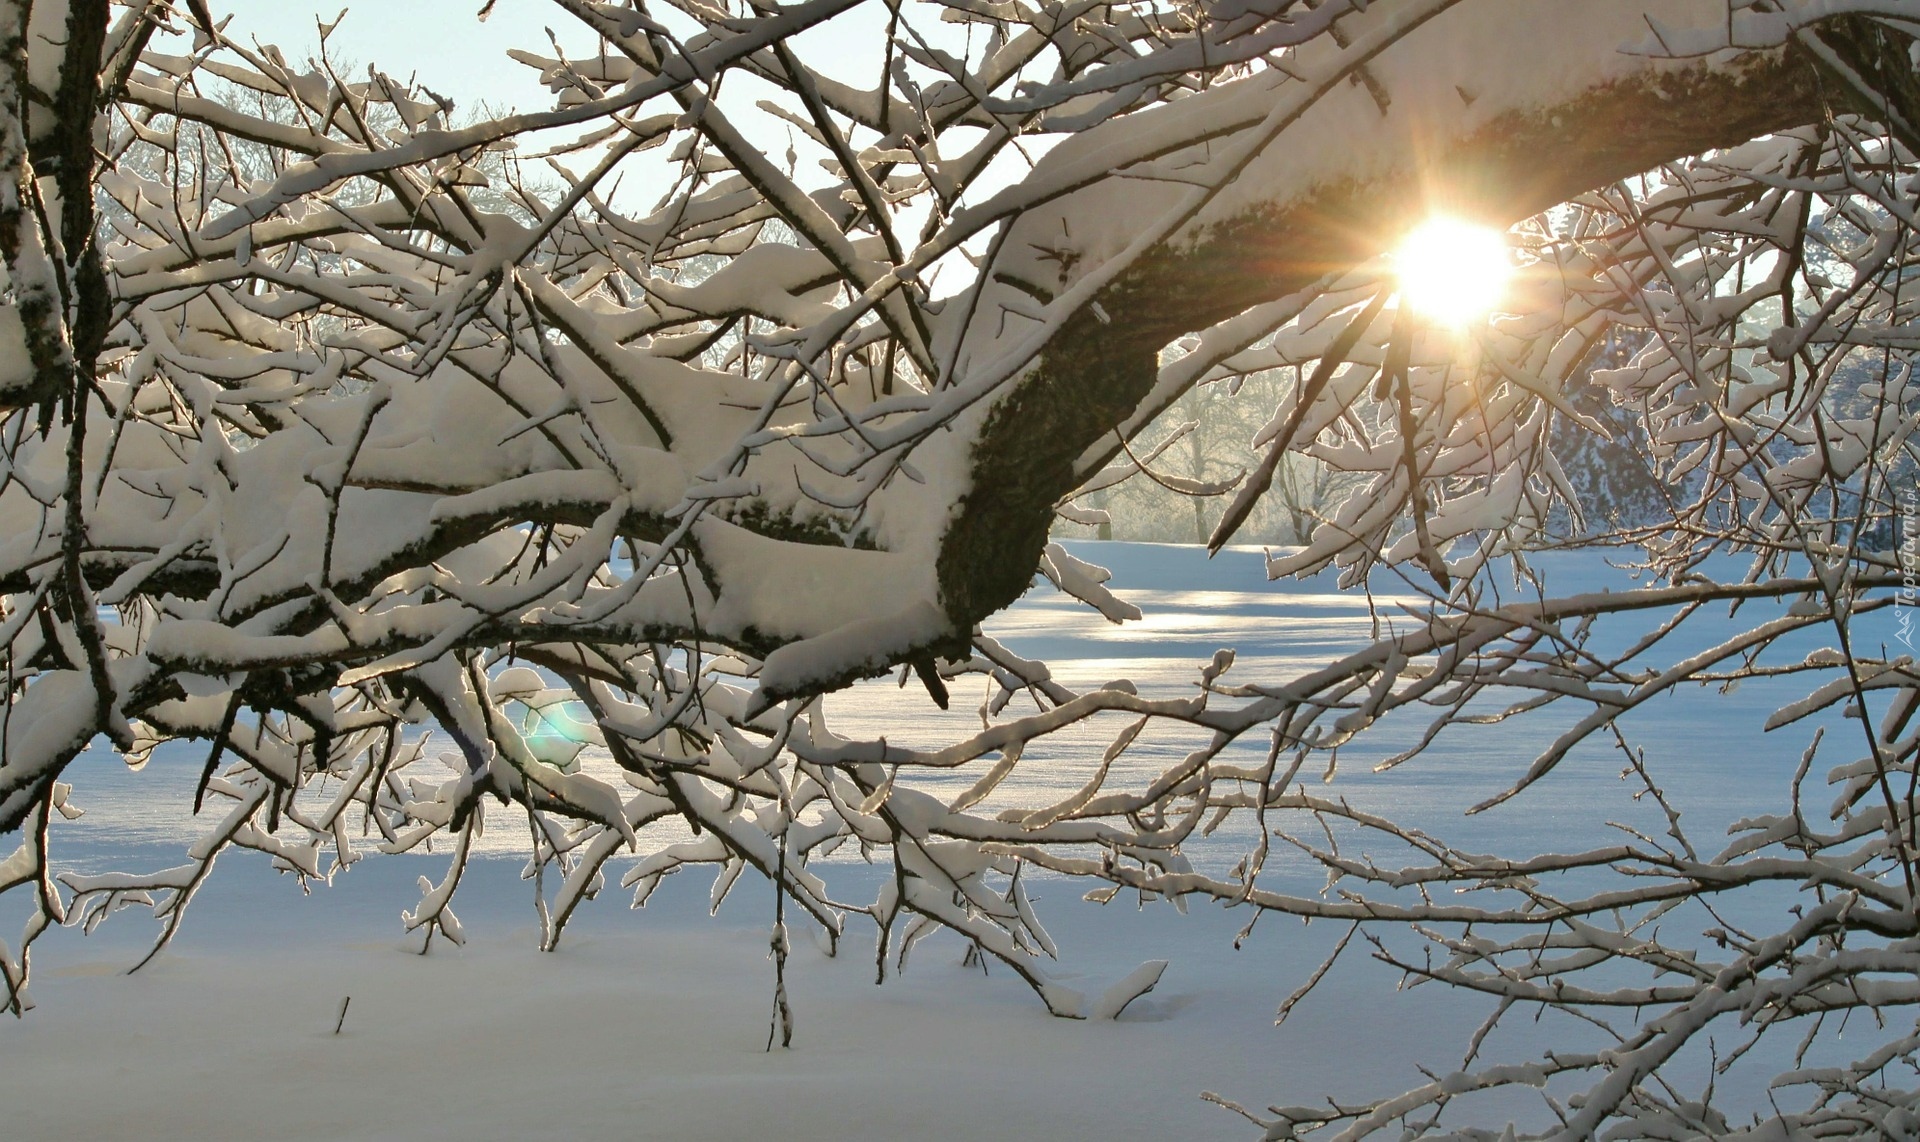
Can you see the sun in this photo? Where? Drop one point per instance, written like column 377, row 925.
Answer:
column 1452, row 271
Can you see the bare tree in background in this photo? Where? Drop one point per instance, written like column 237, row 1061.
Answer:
column 1176, row 477
column 300, row 459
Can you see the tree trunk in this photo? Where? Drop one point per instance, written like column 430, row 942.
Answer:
column 1058, row 424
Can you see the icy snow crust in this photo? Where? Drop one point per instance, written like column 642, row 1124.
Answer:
column 638, row 1022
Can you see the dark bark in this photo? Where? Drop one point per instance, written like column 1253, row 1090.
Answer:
column 1094, row 374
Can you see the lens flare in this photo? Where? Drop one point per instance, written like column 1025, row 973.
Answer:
column 1452, row 271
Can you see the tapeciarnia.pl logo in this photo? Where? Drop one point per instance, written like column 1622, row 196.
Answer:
column 1909, row 596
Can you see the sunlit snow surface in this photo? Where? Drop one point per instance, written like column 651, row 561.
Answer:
column 651, row 1025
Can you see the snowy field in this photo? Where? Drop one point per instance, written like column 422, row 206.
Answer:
column 652, row 1024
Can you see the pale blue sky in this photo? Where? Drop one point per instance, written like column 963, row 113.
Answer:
column 448, row 48
column 442, row 44
column 439, row 41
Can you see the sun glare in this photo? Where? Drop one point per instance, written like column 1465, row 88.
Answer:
column 1452, row 271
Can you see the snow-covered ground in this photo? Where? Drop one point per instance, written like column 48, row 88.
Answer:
column 653, row 1024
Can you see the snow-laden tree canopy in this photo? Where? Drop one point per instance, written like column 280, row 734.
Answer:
column 335, row 412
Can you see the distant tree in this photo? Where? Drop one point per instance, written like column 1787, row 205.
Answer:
column 1201, row 448
column 305, row 458
column 1616, row 481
